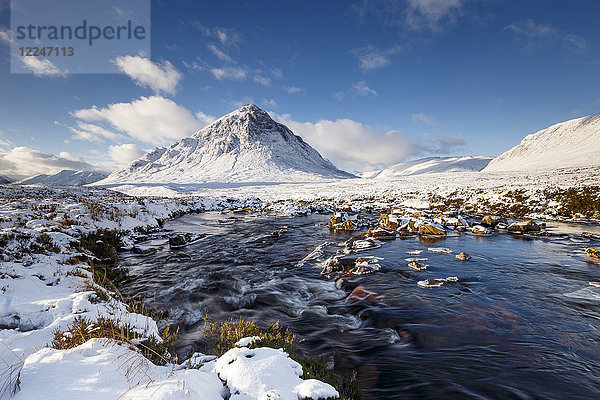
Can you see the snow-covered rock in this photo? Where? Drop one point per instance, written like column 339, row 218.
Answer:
column 66, row 177
column 243, row 146
column 432, row 165
column 266, row 373
column 571, row 144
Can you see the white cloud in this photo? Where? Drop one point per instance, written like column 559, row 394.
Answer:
column 269, row 103
column 229, row 73
column 420, row 117
column 220, row 54
column 22, row 162
column 358, row 89
column 575, row 43
column 370, row 58
column 205, row 118
column 42, row 67
column 532, row 35
column 362, row 89
column 294, row 90
column 261, row 79
column 5, row 35
column 431, row 14
column 529, row 29
column 154, row 119
column 227, row 36
column 352, row 145
column 160, row 77
column 125, row 153
column 93, row 133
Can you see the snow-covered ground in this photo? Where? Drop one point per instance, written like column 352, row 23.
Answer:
column 479, row 190
column 569, row 144
column 44, row 289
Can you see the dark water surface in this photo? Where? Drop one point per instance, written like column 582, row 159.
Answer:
column 521, row 323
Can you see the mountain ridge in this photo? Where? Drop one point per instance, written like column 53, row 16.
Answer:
column 569, row 144
column 246, row 145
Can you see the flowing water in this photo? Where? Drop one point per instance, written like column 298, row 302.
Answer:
column 522, row 322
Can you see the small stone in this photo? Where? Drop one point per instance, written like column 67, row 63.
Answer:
column 592, row 252
column 463, row 256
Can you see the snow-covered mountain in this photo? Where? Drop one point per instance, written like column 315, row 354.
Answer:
column 243, row 146
column 570, row 144
column 432, row 165
column 5, row 180
column 66, row 177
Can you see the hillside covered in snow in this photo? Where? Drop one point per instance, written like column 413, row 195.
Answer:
column 243, row 146
column 66, row 177
column 432, row 165
column 571, row 144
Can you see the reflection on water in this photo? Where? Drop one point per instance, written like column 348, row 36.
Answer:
column 522, row 322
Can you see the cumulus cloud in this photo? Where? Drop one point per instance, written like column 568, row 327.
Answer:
column 22, row 162
column 42, row 67
column 93, row 133
column 125, row 153
column 352, row 145
column 154, row 119
column 160, row 77
column 422, row 118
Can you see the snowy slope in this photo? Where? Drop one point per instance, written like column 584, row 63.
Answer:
column 67, row 177
column 243, row 146
column 434, row 165
column 574, row 143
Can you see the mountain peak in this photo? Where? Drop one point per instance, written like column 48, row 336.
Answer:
column 246, row 145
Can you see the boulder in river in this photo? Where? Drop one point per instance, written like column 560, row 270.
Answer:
column 491, row 220
column 431, row 229
column 526, row 225
column 480, row 230
column 463, row 256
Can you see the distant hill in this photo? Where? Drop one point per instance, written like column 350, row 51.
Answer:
column 570, row 144
column 5, row 180
column 432, row 165
column 66, row 177
column 243, row 146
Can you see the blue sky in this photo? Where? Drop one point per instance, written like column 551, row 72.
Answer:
column 368, row 83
